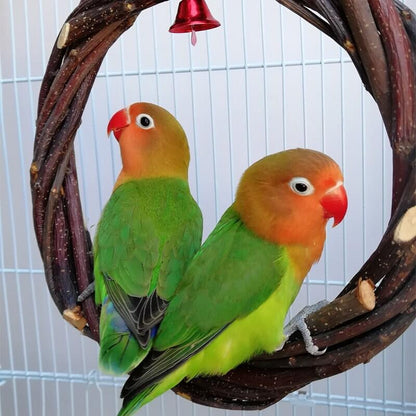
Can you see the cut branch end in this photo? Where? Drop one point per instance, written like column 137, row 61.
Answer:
column 343, row 309
column 406, row 228
column 75, row 318
column 63, row 36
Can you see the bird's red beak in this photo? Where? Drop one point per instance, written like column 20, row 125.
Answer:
column 117, row 123
column 335, row 204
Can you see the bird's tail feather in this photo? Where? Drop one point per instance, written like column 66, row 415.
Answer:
column 137, row 402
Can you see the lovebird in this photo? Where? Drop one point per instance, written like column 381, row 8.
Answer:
column 232, row 302
column 149, row 230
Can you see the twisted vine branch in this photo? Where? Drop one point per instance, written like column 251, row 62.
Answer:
column 380, row 37
column 64, row 243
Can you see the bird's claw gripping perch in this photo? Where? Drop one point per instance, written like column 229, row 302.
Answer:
column 86, row 293
column 298, row 323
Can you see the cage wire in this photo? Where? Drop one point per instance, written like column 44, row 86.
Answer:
column 262, row 82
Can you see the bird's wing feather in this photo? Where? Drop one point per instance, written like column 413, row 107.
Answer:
column 233, row 273
column 140, row 314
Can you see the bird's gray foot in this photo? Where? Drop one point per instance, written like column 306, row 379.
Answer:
column 298, row 324
column 86, row 292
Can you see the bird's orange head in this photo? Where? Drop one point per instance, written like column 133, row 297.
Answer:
column 152, row 143
column 288, row 197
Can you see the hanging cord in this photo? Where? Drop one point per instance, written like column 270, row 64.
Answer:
column 378, row 303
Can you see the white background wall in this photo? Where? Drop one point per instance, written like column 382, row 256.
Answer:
column 262, row 82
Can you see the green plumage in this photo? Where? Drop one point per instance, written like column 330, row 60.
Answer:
column 234, row 297
column 231, row 304
column 236, row 268
column 149, row 231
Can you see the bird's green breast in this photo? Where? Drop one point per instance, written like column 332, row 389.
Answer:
column 148, row 232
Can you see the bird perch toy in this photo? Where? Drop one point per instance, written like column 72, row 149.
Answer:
column 378, row 303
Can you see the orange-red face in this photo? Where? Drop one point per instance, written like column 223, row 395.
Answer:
column 288, row 197
column 152, row 142
column 323, row 190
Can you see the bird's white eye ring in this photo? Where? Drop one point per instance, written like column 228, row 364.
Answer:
column 145, row 121
column 301, row 186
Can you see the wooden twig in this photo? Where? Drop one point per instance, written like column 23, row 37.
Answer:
column 371, row 52
column 82, row 250
column 66, row 86
column 249, row 387
column 309, row 16
column 358, row 302
column 385, row 259
column 402, row 79
column 91, row 29
column 86, row 23
column 325, row 15
column 68, row 265
column 354, row 328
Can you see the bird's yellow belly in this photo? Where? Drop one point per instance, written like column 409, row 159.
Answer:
column 259, row 332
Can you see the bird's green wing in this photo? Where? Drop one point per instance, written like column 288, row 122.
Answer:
column 232, row 274
column 149, row 231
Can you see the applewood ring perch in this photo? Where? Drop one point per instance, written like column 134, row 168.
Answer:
column 380, row 37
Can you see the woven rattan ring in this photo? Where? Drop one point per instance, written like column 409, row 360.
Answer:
column 380, row 37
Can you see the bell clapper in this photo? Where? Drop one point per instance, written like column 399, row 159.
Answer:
column 193, row 37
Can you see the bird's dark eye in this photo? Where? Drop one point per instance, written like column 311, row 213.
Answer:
column 301, row 186
column 145, row 121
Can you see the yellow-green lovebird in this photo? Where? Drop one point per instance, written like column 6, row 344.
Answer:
column 149, row 230
column 232, row 302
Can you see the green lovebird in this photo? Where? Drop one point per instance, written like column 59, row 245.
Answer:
column 149, row 230
column 232, row 302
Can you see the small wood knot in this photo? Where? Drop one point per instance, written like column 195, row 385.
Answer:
column 130, row 7
column 349, row 46
column 73, row 53
column 55, row 192
column 292, row 360
column 34, row 170
column 184, row 395
column 406, row 15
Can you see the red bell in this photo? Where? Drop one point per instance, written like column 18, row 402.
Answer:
column 193, row 15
